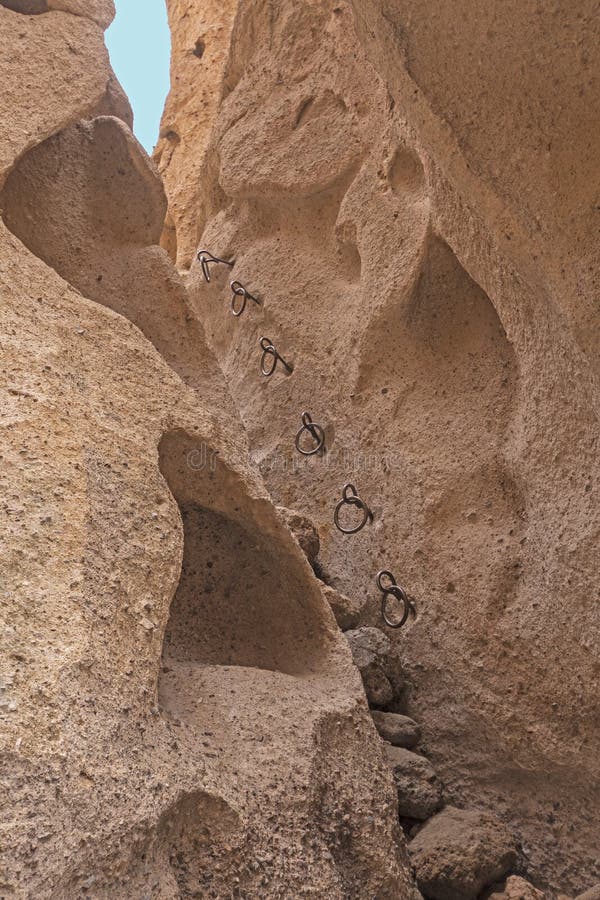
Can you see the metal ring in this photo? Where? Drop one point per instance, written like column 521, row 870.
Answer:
column 350, row 498
column 238, row 290
column 399, row 594
column 316, row 433
column 268, row 349
column 205, row 257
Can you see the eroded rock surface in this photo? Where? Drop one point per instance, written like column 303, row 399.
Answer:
column 411, row 191
column 459, row 852
column 516, row 888
column 371, row 654
column 401, row 731
column 419, row 789
column 180, row 713
column 200, row 43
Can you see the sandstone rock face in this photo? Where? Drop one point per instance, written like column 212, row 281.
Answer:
column 458, row 852
column 199, row 63
column 410, row 189
column 180, row 713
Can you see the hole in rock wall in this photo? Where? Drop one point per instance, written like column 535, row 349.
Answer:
column 406, row 173
column 191, row 834
column 27, row 7
column 240, row 600
column 457, row 370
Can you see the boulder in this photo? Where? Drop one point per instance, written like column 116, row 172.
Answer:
column 346, row 610
column 303, row 530
column 372, row 652
column 419, row 790
column 458, row 852
column 401, row 731
column 516, row 888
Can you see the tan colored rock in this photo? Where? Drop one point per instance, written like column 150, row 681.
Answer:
column 592, row 894
column 419, row 789
column 346, row 610
column 517, row 888
column 458, row 852
column 101, row 11
column 303, row 530
column 179, row 712
column 200, row 34
column 412, row 195
column 72, row 49
column 371, row 653
column 401, row 731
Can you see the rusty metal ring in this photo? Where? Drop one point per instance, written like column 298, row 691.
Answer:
column 350, row 498
column 316, row 433
column 399, row 594
column 205, row 257
column 238, row 290
column 268, row 349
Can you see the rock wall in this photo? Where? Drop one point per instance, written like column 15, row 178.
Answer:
column 410, row 190
column 180, row 713
column 200, row 42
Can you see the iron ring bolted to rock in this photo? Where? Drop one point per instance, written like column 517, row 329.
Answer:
column 394, row 590
column 238, row 290
column 350, row 498
column 268, row 349
column 316, row 432
column 204, row 258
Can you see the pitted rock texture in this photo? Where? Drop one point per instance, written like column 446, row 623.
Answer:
column 401, row 731
column 200, row 34
column 419, row 789
column 411, row 191
column 516, row 888
column 180, row 713
column 459, row 852
column 380, row 672
column 346, row 610
column 304, row 531
column 591, row 894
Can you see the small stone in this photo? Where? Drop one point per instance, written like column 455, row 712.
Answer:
column 458, row 852
column 147, row 624
column 419, row 789
column 592, row 894
column 517, row 888
column 303, row 530
column 370, row 652
column 401, row 731
column 346, row 611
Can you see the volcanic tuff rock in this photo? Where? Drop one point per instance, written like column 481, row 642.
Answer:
column 458, row 852
column 591, row 894
column 401, row 731
column 200, row 35
column 412, row 190
column 179, row 710
column 371, row 653
column 419, row 789
column 516, row 888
